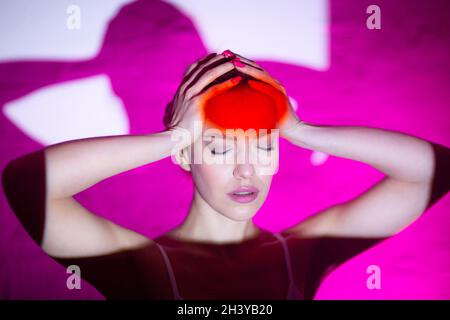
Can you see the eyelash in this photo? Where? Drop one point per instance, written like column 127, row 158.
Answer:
column 213, row 151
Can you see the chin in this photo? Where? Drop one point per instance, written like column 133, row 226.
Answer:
column 241, row 213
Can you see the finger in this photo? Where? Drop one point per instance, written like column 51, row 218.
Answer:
column 260, row 73
column 249, row 62
column 257, row 72
column 201, row 68
column 267, row 89
column 194, row 66
column 219, row 88
column 231, row 55
column 263, row 76
column 208, row 77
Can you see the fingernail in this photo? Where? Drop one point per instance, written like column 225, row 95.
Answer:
column 237, row 62
column 228, row 54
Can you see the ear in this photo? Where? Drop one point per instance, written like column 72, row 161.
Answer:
column 183, row 158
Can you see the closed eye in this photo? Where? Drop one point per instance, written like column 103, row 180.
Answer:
column 267, row 148
column 213, row 151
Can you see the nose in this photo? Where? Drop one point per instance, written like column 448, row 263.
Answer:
column 244, row 171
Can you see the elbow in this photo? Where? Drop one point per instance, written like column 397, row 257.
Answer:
column 11, row 178
column 23, row 181
column 440, row 178
column 24, row 176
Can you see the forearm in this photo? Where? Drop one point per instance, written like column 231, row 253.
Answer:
column 397, row 155
column 73, row 166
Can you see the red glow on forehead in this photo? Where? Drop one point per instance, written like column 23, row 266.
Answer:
column 244, row 106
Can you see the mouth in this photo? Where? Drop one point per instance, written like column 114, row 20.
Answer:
column 244, row 194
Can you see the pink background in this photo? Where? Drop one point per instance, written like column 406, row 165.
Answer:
column 395, row 78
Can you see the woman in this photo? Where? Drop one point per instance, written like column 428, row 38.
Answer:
column 218, row 252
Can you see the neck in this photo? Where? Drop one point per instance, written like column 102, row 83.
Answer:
column 205, row 224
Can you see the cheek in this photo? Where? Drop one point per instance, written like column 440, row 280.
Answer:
column 211, row 177
column 266, row 180
column 267, row 165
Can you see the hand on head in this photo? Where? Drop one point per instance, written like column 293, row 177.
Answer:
column 198, row 86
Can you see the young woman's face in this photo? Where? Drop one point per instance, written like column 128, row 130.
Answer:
column 235, row 171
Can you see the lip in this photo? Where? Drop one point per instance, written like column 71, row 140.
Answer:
column 246, row 198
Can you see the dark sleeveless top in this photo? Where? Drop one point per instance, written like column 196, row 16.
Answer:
column 292, row 294
column 268, row 267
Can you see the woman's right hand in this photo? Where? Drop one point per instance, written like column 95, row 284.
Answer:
column 185, row 111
